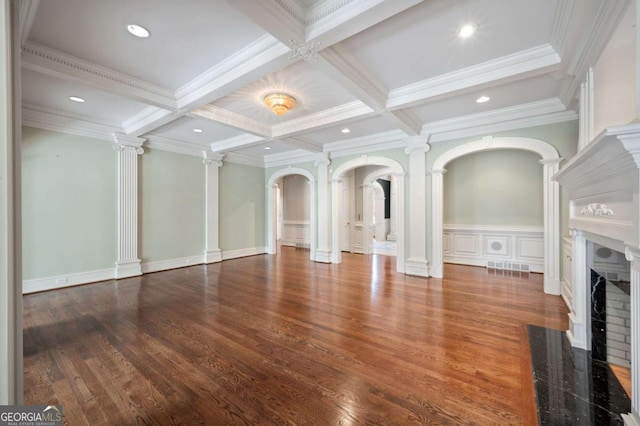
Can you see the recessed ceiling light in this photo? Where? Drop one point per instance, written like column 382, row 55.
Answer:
column 267, row 147
column 198, row 130
column 467, row 31
column 138, row 31
column 345, row 130
column 76, row 99
column 483, row 99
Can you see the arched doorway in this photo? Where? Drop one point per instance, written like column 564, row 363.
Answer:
column 369, row 197
column 272, row 208
column 551, row 201
column 392, row 167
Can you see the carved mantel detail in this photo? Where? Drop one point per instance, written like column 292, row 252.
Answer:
column 596, row 209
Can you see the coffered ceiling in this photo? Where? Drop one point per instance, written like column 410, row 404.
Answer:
column 384, row 69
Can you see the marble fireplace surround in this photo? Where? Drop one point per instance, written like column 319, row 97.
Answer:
column 603, row 182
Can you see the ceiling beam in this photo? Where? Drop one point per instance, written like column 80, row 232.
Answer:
column 48, row 61
column 241, row 141
column 232, row 119
column 302, row 143
column 283, row 19
column 28, row 9
column 150, row 119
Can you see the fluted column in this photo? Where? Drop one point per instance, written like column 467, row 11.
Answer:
column 581, row 295
column 551, row 202
column 633, row 256
column 437, row 188
column 212, row 162
column 128, row 149
column 417, row 264
column 323, row 253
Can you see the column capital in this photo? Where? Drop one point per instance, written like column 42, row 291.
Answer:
column 417, row 143
column 632, row 254
column 209, row 157
column 550, row 161
column 321, row 159
column 122, row 142
column 437, row 172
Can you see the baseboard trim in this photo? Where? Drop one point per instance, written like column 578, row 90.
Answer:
column 235, row 254
column 66, row 280
column 164, row 265
column 417, row 267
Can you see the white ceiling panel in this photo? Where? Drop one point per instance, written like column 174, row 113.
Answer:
column 266, row 148
column 187, row 36
column 182, row 129
column 50, row 92
column 422, row 41
column 358, row 128
column 516, row 93
column 312, row 90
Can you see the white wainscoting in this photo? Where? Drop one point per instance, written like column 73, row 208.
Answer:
column 358, row 237
column 567, row 267
column 505, row 247
column 296, row 233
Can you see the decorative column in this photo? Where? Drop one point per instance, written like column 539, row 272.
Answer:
column 552, row 255
column 11, row 364
column 336, row 194
column 581, row 299
column 212, row 162
column 128, row 149
column 633, row 255
column 323, row 254
column 437, row 187
column 272, row 219
column 416, row 149
column 367, row 206
column 393, row 220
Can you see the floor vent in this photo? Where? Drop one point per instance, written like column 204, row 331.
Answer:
column 509, row 266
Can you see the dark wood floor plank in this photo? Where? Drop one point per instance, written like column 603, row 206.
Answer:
column 281, row 340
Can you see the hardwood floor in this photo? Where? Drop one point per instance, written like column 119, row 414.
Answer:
column 282, row 340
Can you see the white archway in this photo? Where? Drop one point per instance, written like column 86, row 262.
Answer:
column 272, row 203
column 367, row 201
column 551, row 205
column 392, row 168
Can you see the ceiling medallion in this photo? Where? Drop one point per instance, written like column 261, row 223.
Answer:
column 306, row 51
column 279, row 103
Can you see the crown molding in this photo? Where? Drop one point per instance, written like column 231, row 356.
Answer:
column 247, row 160
column 527, row 63
column 365, row 144
column 319, row 120
column 405, row 120
column 233, row 72
column 232, row 119
column 52, row 62
column 324, row 8
column 342, row 19
column 28, row 9
column 523, row 123
column 163, row 143
column 289, row 158
column 561, row 25
column 127, row 141
column 532, row 109
column 284, row 19
column 149, row 119
column 592, row 45
column 65, row 122
column 240, row 141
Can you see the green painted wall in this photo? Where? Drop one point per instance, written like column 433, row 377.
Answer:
column 501, row 187
column 171, row 207
column 242, row 207
column 69, row 204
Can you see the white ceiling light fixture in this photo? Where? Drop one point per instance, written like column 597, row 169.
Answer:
column 466, row 31
column 345, row 130
column 483, row 99
column 198, row 130
column 77, row 99
column 138, row 31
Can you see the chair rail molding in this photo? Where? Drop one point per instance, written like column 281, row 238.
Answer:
column 551, row 205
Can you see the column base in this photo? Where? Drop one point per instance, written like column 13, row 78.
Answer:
column 323, row 256
column 213, row 256
column 631, row 419
column 417, row 267
column 577, row 333
column 132, row 268
column 552, row 286
column 391, row 237
column 437, row 271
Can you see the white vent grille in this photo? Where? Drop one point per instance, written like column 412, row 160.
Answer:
column 509, row 266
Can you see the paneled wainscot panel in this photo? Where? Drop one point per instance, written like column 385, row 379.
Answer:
column 296, row 233
column 503, row 247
